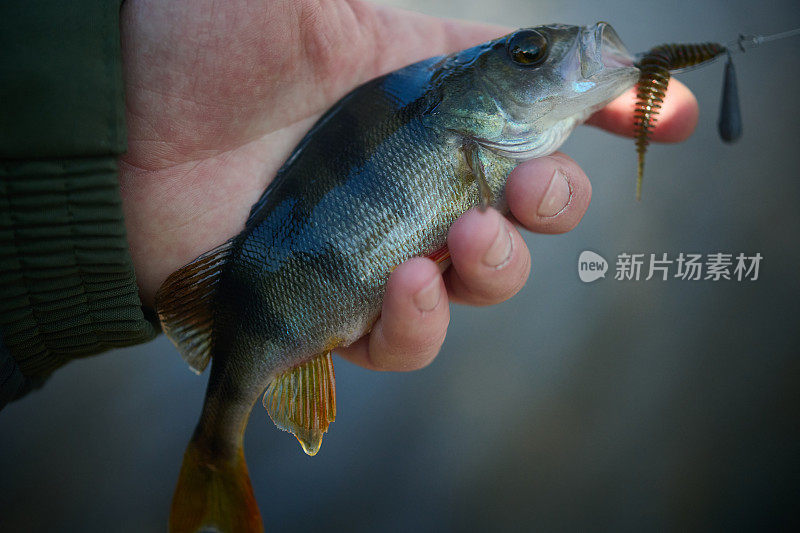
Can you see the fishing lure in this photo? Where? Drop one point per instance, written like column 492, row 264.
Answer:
column 656, row 67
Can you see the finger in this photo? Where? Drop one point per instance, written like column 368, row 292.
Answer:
column 490, row 260
column 413, row 321
column 549, row 194
column 675, row 122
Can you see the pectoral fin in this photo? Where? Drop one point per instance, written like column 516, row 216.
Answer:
column 472, row 154
column 302, row 400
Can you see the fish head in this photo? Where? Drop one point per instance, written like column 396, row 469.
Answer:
column 522, row 94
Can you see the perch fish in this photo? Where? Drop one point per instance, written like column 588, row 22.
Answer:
column 378, row 180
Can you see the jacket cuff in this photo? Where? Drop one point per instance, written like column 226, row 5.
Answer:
column 67, row 284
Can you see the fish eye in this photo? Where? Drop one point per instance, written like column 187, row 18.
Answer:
column 527, row 47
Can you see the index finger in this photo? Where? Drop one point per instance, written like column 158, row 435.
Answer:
column 675, row 122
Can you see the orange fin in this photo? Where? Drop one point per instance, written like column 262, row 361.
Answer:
column 214, row 494
column 302, row 401
column 185, row 306
column 439, row 256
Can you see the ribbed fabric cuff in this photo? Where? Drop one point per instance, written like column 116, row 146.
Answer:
column 67, row 285
column 12, row 382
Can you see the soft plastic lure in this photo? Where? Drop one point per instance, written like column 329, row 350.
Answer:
column 655, row 68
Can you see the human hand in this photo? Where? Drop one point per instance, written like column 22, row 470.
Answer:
column 218, row 94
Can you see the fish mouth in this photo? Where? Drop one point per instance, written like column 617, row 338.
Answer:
column 597, row 69
column 605, row 65
column 613, row 52
column 602, row 49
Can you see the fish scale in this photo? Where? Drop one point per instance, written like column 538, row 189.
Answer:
column 331, row 282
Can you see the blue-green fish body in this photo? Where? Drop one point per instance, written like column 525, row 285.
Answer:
column 379, row 179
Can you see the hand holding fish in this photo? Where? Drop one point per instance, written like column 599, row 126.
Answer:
column 328, row 257
column 218, row 96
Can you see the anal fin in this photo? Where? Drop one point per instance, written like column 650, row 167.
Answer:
column 185, row 306
column 302, row 400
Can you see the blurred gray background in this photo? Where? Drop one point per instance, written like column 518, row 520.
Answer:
column 616, row 405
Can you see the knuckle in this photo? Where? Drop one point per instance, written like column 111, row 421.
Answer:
column 498, row 286
column 413, row 339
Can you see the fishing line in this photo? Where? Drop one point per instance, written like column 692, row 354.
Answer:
column 729, row 124
column 745, row 41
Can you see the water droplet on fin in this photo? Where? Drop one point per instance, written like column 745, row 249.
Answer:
column 310, row 440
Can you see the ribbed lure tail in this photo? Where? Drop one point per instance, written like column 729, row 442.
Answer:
column 214, row 495
column 655, row 68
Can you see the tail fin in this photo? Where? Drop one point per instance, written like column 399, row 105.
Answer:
column 214, row 494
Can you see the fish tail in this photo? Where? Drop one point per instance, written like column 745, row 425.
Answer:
column 214, row 493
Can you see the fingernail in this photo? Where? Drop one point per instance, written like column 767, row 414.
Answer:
column 499, row 253
column 556, row 197
column 427, row 298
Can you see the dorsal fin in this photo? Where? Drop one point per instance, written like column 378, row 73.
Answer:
column 302, row 400
column 185, row 306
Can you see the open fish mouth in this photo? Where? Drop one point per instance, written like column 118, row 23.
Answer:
column 602, row 50
column 612, row 51
column 606, row 68
column 598, row 70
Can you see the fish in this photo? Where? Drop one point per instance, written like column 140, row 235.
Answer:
column 379, row 179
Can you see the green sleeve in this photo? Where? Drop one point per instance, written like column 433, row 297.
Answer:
column 67, row 285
